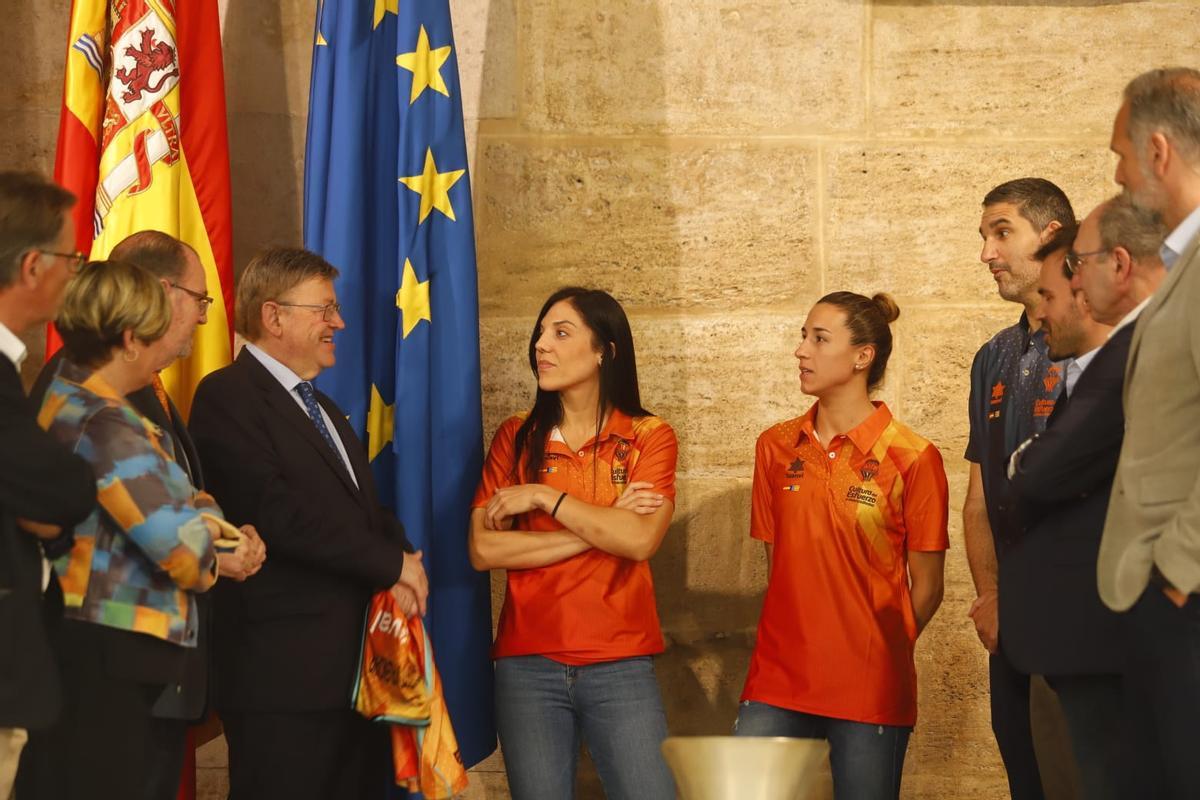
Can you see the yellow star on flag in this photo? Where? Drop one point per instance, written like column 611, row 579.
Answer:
column 434, row 187
column 382, row 7
column 381, row 423
column 412, row 299
column 424, row 64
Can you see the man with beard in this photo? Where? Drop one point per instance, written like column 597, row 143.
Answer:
column 1014, row 384
column 1150, row 554
column 1054, row 623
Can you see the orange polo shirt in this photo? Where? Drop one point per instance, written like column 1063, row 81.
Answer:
column 837, row 629
column 595, row 606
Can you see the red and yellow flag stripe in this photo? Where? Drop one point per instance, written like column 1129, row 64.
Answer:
column 142, row 143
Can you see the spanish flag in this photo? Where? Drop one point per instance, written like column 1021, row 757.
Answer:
column 142, row 144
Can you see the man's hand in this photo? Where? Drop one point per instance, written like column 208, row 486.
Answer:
column 638, row 498
column 246, row 560
column 42, row 530
column 406, row 599
column 985, row 612
column 412, row 577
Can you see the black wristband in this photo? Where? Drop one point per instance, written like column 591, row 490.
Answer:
column 554, row 510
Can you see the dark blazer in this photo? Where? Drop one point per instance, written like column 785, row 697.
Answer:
column 289, row 638
column 1051, row 619
column 42, row 481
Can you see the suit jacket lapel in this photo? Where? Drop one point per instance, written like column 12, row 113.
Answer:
column 284, row 407
column 356, row 453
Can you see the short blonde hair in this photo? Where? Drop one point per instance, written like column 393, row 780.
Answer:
column 103, row 301
column 269, row 276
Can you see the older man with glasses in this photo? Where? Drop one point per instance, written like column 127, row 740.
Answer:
column 44, row 489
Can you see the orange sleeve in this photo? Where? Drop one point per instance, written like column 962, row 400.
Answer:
column 497, row 468
column 658, row 452
column 762, row 511
column 927, row 503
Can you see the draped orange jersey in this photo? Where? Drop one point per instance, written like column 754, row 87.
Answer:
column 142, row 144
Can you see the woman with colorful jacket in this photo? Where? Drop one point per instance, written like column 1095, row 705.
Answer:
column 852, row 508
column 130, row 579
column 576, row 496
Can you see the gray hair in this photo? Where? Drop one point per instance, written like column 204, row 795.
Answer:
column 1166, row 100
column 1138, row 230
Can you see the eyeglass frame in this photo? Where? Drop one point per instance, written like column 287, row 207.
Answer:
column 327, row 309
column 203, row 300
column 76, row 258
column 1074, row 260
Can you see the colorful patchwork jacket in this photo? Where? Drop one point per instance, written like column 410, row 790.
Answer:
column 145, row 550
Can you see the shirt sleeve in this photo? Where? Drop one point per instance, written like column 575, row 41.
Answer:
column 147, row 497
column 762, row 511
column 658, row 453
column 498, row 467
column 927, row 503
column 977, row 413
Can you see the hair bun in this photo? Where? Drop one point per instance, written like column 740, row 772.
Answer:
column 887, row 306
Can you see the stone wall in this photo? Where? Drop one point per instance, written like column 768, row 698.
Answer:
column 718, row 166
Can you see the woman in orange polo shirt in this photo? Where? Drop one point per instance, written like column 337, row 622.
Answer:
column 575, row 497
column 852, row 508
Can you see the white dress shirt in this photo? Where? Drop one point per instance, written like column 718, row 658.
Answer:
column 1179, row 239
column 1075, row 368
column 12, row 347
column 288, row 380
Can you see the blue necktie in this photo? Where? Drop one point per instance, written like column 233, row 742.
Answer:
column 314, row 413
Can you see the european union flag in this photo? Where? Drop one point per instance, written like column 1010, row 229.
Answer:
column 388, row 202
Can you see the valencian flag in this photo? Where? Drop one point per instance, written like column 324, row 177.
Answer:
column 142, row 144
column 388, row 202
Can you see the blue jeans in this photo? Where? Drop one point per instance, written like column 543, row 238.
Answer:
column 866, row 760
column 542, row 708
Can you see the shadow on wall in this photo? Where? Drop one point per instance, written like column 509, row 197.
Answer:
column 265, row 170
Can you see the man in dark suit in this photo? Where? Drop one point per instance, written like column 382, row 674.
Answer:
column 184, row 698
column 1055, row 624
column 280, row 455
column 44, row 489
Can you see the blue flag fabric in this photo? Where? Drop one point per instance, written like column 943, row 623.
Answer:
column 387, row 200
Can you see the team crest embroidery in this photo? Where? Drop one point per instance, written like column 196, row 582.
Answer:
column 796, row 469
column 998, row 394
column 144, row 73
column 619, row 473
column 1053, row 376
column 870, row 469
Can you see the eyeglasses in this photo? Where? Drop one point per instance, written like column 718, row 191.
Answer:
column 1075, row 260
column 202, row 300
column 75, row 261
column 328, row 311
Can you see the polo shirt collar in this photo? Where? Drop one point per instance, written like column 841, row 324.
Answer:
column 619, row 424
column 863, row 436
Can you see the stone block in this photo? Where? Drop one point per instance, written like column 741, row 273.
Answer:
column 266, row 155
column 33, row 58
column 905, row 219
column 29, row 139
column 717, row 226
column 692, row 67
column 709, row 575
column 1013, row 70
column 936, row 347
column 267, row 49
column 485, row 36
